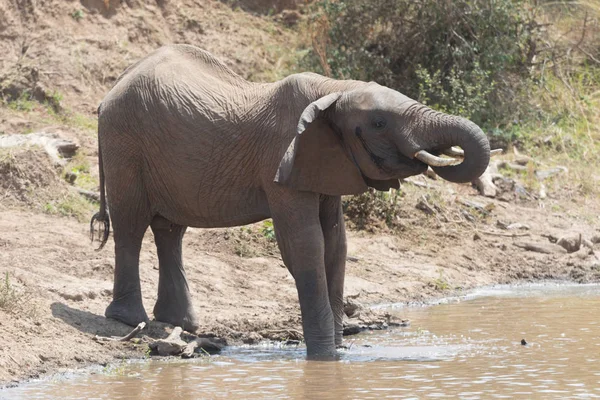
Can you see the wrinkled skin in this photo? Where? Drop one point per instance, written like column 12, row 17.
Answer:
column 183, row 141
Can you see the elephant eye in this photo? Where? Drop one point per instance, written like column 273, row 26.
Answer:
column 379, row 123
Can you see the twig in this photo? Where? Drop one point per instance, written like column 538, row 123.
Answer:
column 293, row 331
column 125, row 338
column 504, row 234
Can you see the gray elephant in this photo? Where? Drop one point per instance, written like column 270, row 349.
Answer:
column 184, row 141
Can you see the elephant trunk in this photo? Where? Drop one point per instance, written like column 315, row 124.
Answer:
column 439, row 133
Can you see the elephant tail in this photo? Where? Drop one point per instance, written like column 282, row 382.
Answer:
column 102, row 215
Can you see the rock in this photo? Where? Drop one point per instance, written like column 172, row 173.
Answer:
column 541, row 175
column 172, row 345
column 583, row 253
column 353, row 329
column 485, row 183
column 595, row 239
column 290, row 17
column 403, row 323
column 352, row 308
column 71, row 296
column 502, row 224
column 59, row 150
column 252, row 338
column 571, row 243
column 205, row 344
column 70, row 177
column 587, row 243
column 513, row 226
column 518, row 225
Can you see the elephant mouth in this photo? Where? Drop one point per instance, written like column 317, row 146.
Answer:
column 401, row 166
column 406, row 166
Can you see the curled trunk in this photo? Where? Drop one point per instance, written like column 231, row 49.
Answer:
column 441, row 132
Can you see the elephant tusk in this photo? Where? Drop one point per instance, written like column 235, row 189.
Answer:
column 454, row 152
column 435, row 161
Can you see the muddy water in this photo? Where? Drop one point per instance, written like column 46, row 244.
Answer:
column 469, row 349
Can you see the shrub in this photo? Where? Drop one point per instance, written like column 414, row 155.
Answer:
column 456, row 56
column 365, row 210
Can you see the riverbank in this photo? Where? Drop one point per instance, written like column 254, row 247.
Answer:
column 242, row 293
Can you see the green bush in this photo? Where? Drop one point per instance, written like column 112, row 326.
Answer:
column 365, row 210
column 456, row 56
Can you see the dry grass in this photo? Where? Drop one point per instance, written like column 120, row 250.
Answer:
column 17, row 301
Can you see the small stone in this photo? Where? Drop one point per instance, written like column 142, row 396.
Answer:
column 353, row 329
column 595, row 239
column 476, row 236
column 70, row 177
column 252, row 338
column 290, row 17
column 352, row 308
column 517, row 225
column 571, row 243
column 587, row 243
column 523, row 342
column 72, row 296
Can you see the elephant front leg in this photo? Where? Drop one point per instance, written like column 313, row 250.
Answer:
column 334, row 234
column 300, row 240
column 174, row 303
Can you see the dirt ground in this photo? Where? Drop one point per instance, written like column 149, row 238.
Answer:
column 54, row 286
column 63, row 285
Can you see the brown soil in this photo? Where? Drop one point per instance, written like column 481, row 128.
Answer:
column 53, row 302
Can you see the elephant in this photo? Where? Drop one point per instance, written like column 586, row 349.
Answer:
column 183, row 141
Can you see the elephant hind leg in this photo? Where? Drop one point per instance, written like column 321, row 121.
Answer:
column 174, row 303
column 130, row 214
column 127, row 303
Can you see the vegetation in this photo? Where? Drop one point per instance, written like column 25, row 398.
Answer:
column 365, row 210
column 79, row 169
column 526, row 71
column 268, row 230
column 8, row 295
column 71, row 205
column 13, row 300
column 475, row 58
column 440, row 283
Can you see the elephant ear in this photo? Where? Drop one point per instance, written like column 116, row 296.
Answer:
column 316, row 161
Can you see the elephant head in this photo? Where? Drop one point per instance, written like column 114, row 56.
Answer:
column 373, row 136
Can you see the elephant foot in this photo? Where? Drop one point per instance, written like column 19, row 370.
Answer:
column 323, row 356
column 130, row 311
column 184, row 317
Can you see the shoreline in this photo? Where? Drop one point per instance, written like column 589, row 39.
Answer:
column 64, row 374
column 240, row 288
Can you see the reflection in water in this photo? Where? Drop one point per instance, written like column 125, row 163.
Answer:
column 469, row 349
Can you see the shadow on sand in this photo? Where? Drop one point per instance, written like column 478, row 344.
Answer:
column 94, row 324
